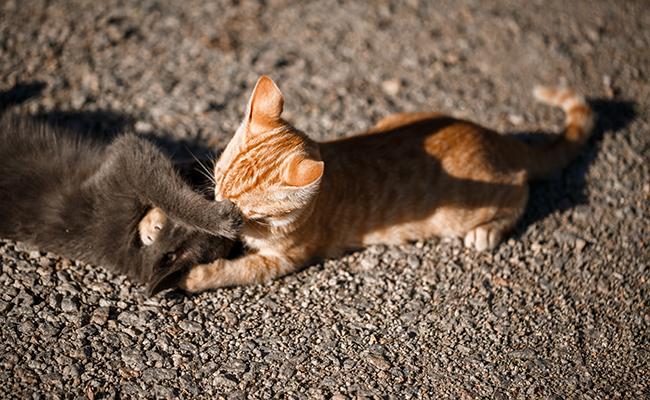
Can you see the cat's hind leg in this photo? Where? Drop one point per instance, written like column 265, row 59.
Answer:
column 488, row 233
column 151, row 225
column 484, row 237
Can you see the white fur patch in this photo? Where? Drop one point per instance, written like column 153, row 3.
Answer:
column 285, row 220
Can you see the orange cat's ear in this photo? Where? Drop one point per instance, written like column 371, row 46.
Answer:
column 264, row 106
column 301, row 171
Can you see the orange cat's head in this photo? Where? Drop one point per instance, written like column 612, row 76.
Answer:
column 269, row 170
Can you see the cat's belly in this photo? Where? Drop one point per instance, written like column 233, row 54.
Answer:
column 443, row 223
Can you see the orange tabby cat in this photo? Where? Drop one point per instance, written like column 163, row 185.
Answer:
column 412, row 176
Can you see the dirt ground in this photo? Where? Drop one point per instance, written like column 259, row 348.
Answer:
column 559, row 310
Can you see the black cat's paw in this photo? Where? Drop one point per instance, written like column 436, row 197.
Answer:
column 231, row 220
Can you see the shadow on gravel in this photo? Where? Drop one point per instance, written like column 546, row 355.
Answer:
column 107, row 124
column 101, row 124
column 20, row 93
column 568, row 189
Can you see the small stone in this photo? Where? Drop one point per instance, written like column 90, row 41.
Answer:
column 413, row 261
column 224, row 380
column 129, row 319
column 114, row 33
column 151, row 375
column 177, row 360
column 90, row 82
column 230, row 318
column 592, row 34
column 378, row 362
column 368, row 263
column 391, row 87
column 78, row 99
column 580, row 244
column 70, row 305
column 287, row 370
column 190, row 326
column 143, row 127
column 100, row 316
column 516, row 119
column 72, row 371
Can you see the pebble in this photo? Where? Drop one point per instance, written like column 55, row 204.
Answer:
column 378, row 362
column 100, row 315
column 69, row 305
column 413, row 261
column 391, row 87
column 190, row 326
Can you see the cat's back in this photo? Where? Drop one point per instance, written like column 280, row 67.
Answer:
column 26, row 138
column 429, row 140
column 39, row 166
column 36, row 153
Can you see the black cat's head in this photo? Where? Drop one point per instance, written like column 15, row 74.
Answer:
column 175, row 251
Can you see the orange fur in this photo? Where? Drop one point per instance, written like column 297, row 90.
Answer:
column 413, row 176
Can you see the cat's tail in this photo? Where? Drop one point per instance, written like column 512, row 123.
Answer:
column 542, row 162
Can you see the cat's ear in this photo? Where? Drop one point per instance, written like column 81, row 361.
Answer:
column 301, row 171
column 264, row 107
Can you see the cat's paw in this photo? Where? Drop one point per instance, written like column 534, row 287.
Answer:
column 191, row 282
column 483, row 238
column 198, row 277
column 231, row 219
column 151, row 225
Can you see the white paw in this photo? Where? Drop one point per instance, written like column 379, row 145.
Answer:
column 151, row 225
column 482, row 238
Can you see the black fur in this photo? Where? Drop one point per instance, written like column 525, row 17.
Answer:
column 83, row 199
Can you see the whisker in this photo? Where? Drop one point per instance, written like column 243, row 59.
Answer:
column 204, row 169
column 208, row 177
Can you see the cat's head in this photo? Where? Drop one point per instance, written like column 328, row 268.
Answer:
column 270, row 170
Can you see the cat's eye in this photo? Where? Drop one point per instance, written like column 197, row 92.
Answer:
column 170, row 258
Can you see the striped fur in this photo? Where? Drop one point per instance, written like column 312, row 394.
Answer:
column 413, row 176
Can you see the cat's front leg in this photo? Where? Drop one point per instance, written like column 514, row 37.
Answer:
column 246, row 270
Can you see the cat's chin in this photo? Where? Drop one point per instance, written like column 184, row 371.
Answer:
column 285, row 220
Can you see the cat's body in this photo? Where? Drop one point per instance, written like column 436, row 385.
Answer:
column 85, row 199
column 411, row 177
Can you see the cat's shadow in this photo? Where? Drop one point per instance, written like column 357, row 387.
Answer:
column 568, row 188
column 19, row 93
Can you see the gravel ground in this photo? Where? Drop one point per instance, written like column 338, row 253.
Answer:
column 559, row 310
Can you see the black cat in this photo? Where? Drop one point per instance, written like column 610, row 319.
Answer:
column 84, row 199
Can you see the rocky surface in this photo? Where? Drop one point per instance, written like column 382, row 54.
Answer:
column 559, row 310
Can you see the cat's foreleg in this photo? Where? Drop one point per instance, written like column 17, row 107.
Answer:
column 249, row 269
